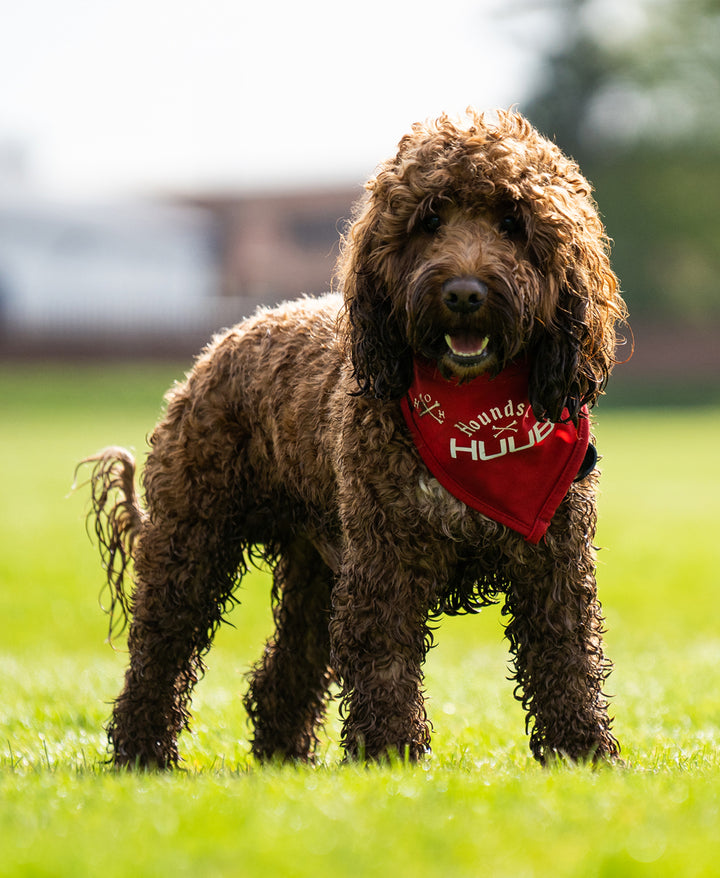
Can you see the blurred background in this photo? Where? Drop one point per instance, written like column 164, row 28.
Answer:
column 166, row 165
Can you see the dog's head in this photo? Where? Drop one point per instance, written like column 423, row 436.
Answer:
column 478, row 242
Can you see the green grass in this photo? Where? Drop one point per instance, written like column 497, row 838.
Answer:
column 479, row 806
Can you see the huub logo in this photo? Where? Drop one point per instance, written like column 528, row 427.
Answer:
column 480, row 450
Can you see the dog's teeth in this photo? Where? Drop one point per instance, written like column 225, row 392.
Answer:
column 455, row 347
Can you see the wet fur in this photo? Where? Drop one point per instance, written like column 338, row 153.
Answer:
column 286, row 442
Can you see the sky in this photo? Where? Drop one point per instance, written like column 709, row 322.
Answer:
column 106, row 97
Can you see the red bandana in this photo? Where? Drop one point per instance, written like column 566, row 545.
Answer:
column 482, row 442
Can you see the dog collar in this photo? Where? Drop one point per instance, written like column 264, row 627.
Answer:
column 483, row 444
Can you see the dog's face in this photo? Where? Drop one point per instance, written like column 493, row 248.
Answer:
column 472, row 291
column 480, row 242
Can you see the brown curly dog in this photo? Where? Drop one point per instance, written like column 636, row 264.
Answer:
column 421, row 448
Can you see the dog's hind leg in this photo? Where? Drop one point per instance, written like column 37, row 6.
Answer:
column 184, row 578
column 187, row 553
column 288, row 691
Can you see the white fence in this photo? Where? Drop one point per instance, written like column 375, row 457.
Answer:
column 140, row 270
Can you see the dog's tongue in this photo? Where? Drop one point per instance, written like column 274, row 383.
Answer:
column 467, row 344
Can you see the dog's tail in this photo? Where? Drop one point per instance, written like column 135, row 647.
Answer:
column 116, row 516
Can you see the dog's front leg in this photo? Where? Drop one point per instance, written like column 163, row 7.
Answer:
column 379, row 639
column 555, row 634
column 394, row 566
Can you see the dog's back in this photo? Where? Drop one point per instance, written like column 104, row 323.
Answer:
column 262, row 407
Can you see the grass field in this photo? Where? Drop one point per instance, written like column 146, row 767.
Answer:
column 478, row 807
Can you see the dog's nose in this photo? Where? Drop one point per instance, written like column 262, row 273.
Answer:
column 464, row 294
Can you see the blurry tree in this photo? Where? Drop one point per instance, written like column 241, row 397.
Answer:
column 623, row 74
column 632, row 90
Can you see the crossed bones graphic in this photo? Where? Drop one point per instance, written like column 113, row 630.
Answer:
column 424, row 408
column 512, row 427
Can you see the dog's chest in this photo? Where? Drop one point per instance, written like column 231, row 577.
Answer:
column 443, row 511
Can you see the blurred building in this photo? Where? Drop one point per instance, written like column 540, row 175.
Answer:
column 157, row 277
column 280, row 245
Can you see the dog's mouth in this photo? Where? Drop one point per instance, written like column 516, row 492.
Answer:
column 467, row 348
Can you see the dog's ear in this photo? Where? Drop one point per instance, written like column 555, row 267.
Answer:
column 374, row 339
column 574, row 350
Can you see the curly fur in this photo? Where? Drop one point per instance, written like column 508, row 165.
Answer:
column 287, row 442
column 115, row 524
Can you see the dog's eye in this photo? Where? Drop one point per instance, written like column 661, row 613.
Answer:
column 431, row 223
column 511, row 224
